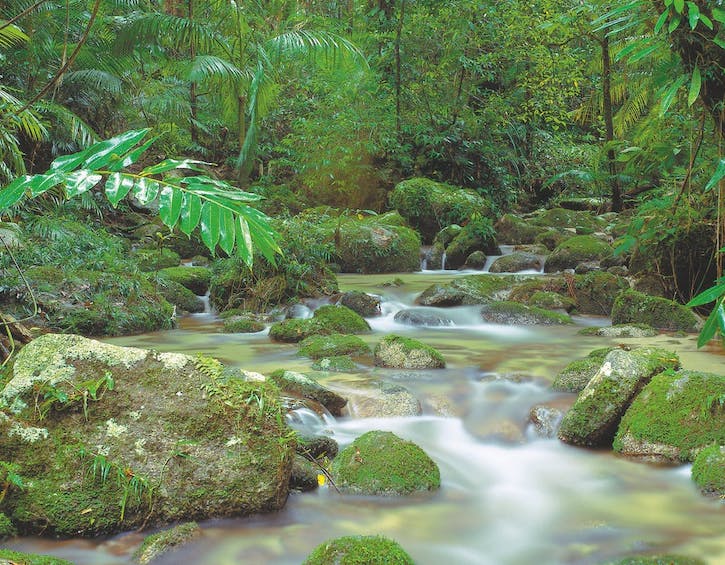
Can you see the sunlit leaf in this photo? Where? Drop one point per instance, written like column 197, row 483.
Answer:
column 210, row 219
column 145, row 190
column 117, row 187
column 227, row 231
column 244, row 241
column 170, row 200
column 12, row 193
column 695, row 84
column 719, row 174
column 41, row 183
column 171, row 164
column 712, row 293
column 81, row 181
column 190, row 213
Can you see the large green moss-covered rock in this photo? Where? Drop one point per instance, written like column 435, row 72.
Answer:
column 326, row 320
column 470, row 289
column 180, row 296
column 305, row 386
column 429, row 206
column 515, row 262
column 562, row 218
column 476, row 236
column 513, row 230
column 363, row 303
column 359, row 550
column 631, row 306
column 196, row 279
column 108, row 438
column 675, row 416
column 575, row 250
column 7, row 529
column 319, row 346
column 405, row 353
column 708, row 470
column 375, row 244
column 153, row 259
column 513, row 313
column 577, row 374
column 162, row 543
column 593, row 419
column 382, row 463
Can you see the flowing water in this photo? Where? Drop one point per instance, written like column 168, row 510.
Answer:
column 507, row 496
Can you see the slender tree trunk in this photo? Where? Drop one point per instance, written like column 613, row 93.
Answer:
column 398, row 78
column 609, row 124
column 193, row 104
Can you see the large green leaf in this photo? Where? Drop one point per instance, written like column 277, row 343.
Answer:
column 105, row 153
column 712, row 293
column 719, row 174
column 244, row 241
column 210, row 220
column 170, row 200
column 669, row 94
column 171, row 164
column 145, row 190
column 227, row 231
column 695, row 84
column 715, row 321
column 118, row 185
column 39, row 184
column 14, row 192
column 190, row 212
column 132, row 156
column 81, row 181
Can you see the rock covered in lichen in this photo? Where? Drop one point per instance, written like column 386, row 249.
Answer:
column 399, row 352
column 674, row 417
column 622, row 330
column 575, row 250
column 364, row 304
column 381, row 400
column 384, row 464
column 577, row 374
column 513, row 313
column 631, row 306
column 593, row 419
column 165, row 542
column 359, row 550
column 111, row 437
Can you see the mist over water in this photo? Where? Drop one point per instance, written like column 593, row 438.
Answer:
column 507, row 496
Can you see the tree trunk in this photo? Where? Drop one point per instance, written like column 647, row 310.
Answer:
column 609, row 125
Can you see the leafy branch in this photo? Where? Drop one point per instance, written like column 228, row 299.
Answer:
column 217, row 208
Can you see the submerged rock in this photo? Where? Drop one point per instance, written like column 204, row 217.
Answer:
column 622, row 330
column 111, row 437
column 593, row 419
column 513, row 313
column 674, row 417
column 422, row 317
column 382, row 463
column 546, row 420
column 359, row 549
column 399, row 352
column 165, row 542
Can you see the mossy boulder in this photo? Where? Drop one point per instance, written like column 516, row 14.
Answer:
column 514, row 313
column 562, row 218
column 515, row 262
column 180, row 296
column 375, row 244
column 399, row 352
column 575, row 250
column 304, row 386
column 429, row 206
column 242, row 324
column 551, row 238
column 476, row 260
column 325, row 321
column 669, row 559
column 631, row 306
column 9, row 557
column 708, row 470
column 359, row 550
column 363, row 303
column 577, row 374
column 596, row 291
column 125, row 436
column 593, row 419
column 303, row 477
column 674, row 417
column 381, row 463
column 7, row 530
column 154, row 259
column 422, row 316
column 513, row 230
column 319, row 346
column 378, row 399
column 165, row 542
column 550, row 300
column 196, row 279
column 477, row 235
column 469, row 289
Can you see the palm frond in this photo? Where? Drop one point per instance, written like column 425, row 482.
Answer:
column 166, row 30
column 215, row 69
column 96, row 78
column 11, row 35
column 332, row 48
column 76, row 130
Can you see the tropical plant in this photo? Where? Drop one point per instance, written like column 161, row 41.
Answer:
column 220, row 210
column 716, row 320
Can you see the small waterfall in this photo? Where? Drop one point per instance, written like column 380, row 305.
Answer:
column 309, row 422
column 443, row 261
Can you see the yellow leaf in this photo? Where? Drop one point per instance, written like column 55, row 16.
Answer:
column 87, row 510
column 321, row 480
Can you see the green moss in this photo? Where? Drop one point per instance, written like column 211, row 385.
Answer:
column 575, row 250
column 673, row 414
column 240, row 324
column 19, row 558
column 359, row 550
column 405, row 353
column 621, row 330
column 325, row 321
column 304, row 386
column 429, row 206
column 336, row 363
column 631, row 306
column 161, row 543
column 708, row 470
column 596, row 291
column 507, row 312
column 550, row 238
column 319, row 346
column 294, row 330
column 562, row 218
column 476, row 235
column 577, row 374
column 155, row 259
column 551, row 300
column 196, row 279
column 470, row 289
column 382, row 463
column 180, row 296
column 7, row 530
column 512, row 230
